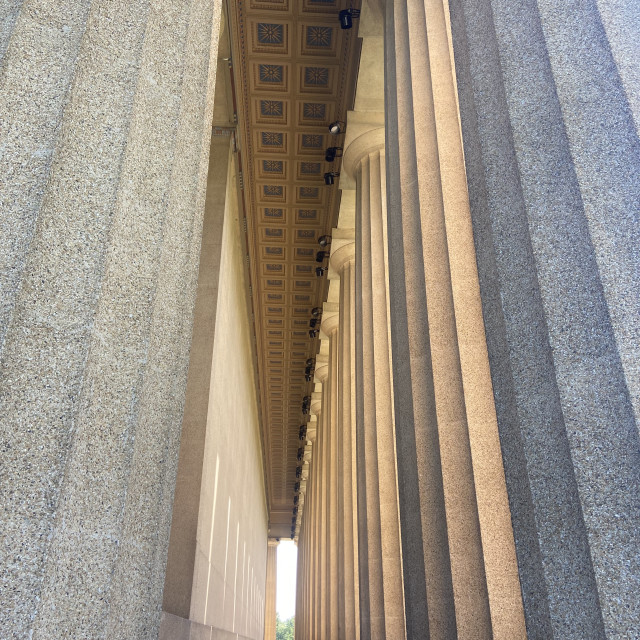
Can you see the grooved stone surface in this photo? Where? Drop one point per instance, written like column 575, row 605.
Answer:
column 552, row 162
column 99, row 311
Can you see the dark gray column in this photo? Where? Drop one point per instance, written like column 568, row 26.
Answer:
column 553, row 159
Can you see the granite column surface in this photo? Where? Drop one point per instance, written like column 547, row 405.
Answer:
column 553, row 156
column 107, row 113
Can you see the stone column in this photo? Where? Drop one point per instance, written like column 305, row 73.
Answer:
column 321, row 600
column 459, row 552
column 301, row 581
column 364, row 160
column 105, row 138
column 343, row 263
column 553, row 156
column 330, row 323
column 270, row 590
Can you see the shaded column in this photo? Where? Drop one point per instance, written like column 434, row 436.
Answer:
column 364, row 159
column 553, row 156
column 444, row 561
column 467, row 571
column 330, row 323
column 107, row 128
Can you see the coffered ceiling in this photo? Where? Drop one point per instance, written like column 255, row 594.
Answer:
column 293, row 70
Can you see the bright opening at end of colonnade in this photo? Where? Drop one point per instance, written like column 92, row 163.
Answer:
column 286, row 579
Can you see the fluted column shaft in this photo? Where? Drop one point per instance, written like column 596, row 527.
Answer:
column 321, row 583
column 270, row 591
column 364, row 158
column 343, row 261
column 446, row 410
column 330, row 322
column 105, row 139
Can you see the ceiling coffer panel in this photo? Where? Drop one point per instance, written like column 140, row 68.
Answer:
column 294, row 71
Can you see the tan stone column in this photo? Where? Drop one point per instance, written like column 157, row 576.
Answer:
column 270, row 591
column 459, row 553
column 364, row 159
column 311, row 514
column 320, row 601
column 330, row 323
column 343, row 263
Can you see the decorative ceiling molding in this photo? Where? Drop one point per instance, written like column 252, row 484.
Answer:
column 294, row 73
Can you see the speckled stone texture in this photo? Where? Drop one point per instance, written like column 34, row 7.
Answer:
column 106, row 125
column 547, row 97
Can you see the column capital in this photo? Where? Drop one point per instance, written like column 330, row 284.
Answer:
column 322, row 372
column 371, row 139
column 343, row 248
column 316, row 397
column 330, row 318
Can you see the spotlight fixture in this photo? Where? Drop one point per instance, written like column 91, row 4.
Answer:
column 313, row 333
column 337, row 127
column 308, row 377
column 329, row 177
column 296, row 487
column 298, row 471
column 293, row 524
column 332, row 153
column 346, row 17
column 300, row 453
column 321, row 256
column 303, row 432
column 320, row 271
column 313, row 323
column 310, row 362
column 296, row 499
column 316, row 312
column 295, row 511
column 323, row 241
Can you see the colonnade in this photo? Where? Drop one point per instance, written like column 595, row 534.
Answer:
column 425, row 548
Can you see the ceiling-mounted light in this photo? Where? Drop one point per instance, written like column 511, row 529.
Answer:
column 323, row 241
column 346, row 17
column 300, row 453
column 316, row 311
column 329, row 177
column 310, row 362
column 320, row 271
column 296, row 487
column 337, row 127
column 298, row 471
column 313, row 323
column 321, row 256
column 313, row 333
column 332, row 153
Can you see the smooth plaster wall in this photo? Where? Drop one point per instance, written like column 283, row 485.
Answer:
column 186, row 501
column 231, row 548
